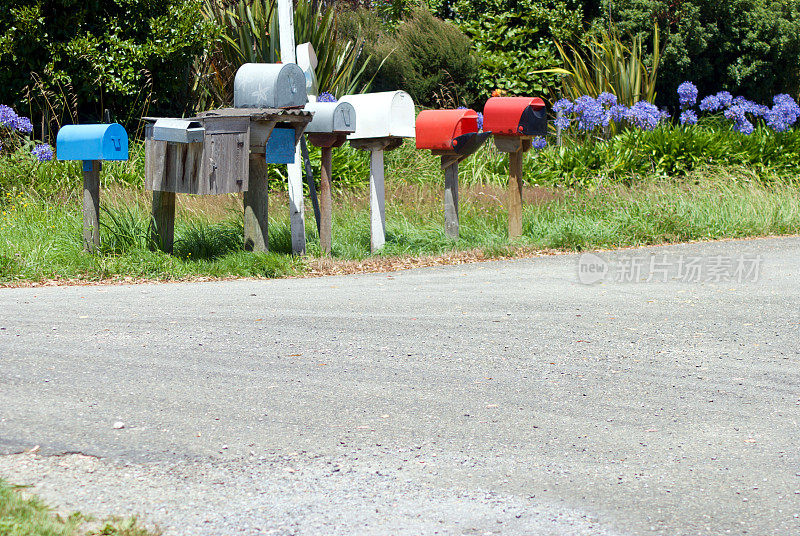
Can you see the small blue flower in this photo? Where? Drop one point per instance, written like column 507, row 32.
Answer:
column 326, row 97
column 688, row 117
column 588, row 112
column 618, row 112
column 644, row 115
column 480, row 121
column 562, row 122
column 8, row 116
column 607, row 99
column 563, row 106
column 687, row 94
column 43, row 152
column 539, row 143
column 725, row 98
column 712, row 103
column 23, row 124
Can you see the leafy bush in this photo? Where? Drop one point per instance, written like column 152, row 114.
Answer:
column 74, row 59
column 750, row 46
column 430, row 58
column 250, row 35
column 514, row 38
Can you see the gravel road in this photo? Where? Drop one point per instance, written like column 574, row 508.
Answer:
column 492, row 398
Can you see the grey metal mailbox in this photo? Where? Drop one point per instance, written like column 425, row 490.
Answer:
column 331, row 118
column 332, row 123
column 178, row 130
column 269, row 85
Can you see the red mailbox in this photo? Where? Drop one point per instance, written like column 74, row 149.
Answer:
column 515, row 116
column 451, row 131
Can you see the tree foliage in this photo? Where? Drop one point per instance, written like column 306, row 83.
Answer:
column 749, row 47
column 75, row 58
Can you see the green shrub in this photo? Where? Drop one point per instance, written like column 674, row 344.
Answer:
column 429, row 58
column 749, row 47
column 514, row 38
column 75, row 59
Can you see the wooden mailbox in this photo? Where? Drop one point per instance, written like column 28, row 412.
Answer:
column 92, row 144
column 332, row 123
column 218, row 152
column 384, row 119
column 453, row 135
column 514, row 122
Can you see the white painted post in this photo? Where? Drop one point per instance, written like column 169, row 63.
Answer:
column 297, row 216
column 377, row 209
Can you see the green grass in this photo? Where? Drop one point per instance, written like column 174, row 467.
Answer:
column 40, row 238
column 29, row 516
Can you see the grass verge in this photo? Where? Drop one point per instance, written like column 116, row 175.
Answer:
column 40, row 239
column 29, row 516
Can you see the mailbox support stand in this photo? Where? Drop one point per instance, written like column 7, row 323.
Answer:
column 377, row 201
column 256, row 201
column 516, row 147
column 450, row 166
column 326, row 202
column 377, row 195
column 515, row 194
column 91, row 205
column 163, row 225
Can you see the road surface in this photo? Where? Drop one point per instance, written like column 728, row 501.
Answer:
column 492, row 398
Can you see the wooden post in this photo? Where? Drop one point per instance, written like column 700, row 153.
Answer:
column 294, row 173
column 450, row 196
column 91, row 205
column 325, row 202
column 256, row 199
column 377, row 209
column 163, row 230
column 515, row 194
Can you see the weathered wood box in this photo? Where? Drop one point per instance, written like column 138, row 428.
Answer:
column 209, row 154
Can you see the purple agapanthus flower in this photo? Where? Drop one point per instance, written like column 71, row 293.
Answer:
column 725, row 98
column 738, row 114
column 480, row 121
column 607, row 99
column 588, row 112
column 326, row 97
column 618, row 112
column 563, row 106
column 687, row 94
column 712, row 103
column 539, row 142
column 43, row 152
column 7, row 116
column 688, row 117
column 644, row 115
column 562, row 122
column 23, row 124
column 784, row 114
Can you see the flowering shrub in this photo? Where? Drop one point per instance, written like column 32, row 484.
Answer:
column 15, row 131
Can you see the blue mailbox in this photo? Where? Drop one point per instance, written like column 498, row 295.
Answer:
column 280, row 147
column 92, row 142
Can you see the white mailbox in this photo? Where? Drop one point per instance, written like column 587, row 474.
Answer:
column 269, row 85
column 331, row 118
column 382, row 115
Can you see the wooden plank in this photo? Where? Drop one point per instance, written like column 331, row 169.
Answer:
column 515, row 194
column 91, row 205
column 176, row 156
column 226, row 166
column 155, row 155
column 326, row 202
column 256, row 197
column 377, row 208
column 450, row 197
column 163, row 224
